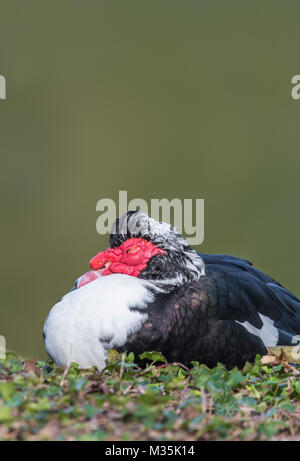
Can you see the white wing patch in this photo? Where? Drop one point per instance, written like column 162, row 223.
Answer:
column 90, row 320
column 268, row 333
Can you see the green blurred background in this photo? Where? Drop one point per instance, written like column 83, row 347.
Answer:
column 187, row 99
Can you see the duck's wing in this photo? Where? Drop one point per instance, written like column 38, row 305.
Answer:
column 229, row 315
column 248, row 294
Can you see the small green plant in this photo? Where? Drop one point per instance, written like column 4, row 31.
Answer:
column 162, row 401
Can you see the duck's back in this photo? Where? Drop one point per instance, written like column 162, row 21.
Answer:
column 229, row 315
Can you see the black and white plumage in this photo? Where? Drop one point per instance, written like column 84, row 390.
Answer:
column 189, row 306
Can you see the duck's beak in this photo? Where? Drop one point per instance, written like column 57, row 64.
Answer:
column 92, row 275
column 88, row 277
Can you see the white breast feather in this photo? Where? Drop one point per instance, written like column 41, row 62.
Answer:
column 96, row 317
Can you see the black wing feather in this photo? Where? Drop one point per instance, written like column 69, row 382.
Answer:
column 254, row 292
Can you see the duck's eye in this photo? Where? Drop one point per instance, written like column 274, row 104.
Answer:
column 133, row 249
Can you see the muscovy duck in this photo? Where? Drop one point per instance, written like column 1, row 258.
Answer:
column 151, row 291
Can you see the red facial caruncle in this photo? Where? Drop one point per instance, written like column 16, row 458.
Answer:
column 130, row 258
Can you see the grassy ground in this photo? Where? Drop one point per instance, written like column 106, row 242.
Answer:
column 160, row 402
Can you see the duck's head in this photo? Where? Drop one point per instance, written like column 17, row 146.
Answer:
column 150, row 250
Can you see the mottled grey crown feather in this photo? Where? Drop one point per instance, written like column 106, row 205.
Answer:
column 180, row 265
